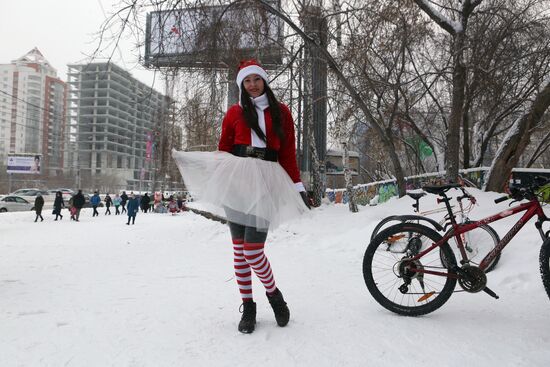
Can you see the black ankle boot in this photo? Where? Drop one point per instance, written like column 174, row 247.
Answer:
column 248, row 319
column 282, row 313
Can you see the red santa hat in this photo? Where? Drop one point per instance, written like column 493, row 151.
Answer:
column 248, row 67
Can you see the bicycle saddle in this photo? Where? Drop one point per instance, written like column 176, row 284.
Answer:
column 438, row 190
column 416, row 195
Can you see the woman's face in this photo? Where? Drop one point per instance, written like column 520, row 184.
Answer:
column 254, row 85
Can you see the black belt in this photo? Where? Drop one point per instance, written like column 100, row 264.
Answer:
column 241, row 150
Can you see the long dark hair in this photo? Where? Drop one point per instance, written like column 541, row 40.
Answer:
column 251, row 116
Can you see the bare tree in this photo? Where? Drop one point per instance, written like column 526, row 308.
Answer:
column 517, row 138
column 457, row 30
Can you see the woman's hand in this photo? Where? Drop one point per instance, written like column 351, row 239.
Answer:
column 305, row 198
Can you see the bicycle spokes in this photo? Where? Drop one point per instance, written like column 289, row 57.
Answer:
column 404, row 285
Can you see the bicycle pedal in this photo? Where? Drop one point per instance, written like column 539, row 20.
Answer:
column 425, row 296
column 490, row 292
column 395, row 238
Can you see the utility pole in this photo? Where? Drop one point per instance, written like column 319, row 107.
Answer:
column 315, row 101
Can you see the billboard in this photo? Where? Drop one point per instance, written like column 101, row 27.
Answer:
column 213, row 36
column 29, row 164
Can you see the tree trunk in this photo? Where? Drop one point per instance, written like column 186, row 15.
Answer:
column 452, row 149
column 516, row 141
column 348, row 179
column 466, row 139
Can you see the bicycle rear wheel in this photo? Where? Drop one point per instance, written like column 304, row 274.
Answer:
column 387, row 274
column 478, row 243
column 384, row 223
column 545, row 265
column 409, row 218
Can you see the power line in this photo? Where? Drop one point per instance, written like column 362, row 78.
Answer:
column 117, row 46
column 40, row 122
column 27, row 102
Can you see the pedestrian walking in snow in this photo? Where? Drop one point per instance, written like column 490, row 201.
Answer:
column 108, row 202
column 116, row 202
column 173, row 206
column 78, row 202
column 38, row 205
column 133, row 208
column 72, row 209
column 157, row 201
column 254, row 179
column 123, row 201
column 144, row 203
column 58, row 203
column 95, row 200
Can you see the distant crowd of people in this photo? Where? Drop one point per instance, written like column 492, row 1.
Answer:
column 123, row 203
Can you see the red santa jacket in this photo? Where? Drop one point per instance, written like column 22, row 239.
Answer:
column 236, row 131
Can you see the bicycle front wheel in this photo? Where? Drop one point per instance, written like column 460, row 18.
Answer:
column 478, row 243
column 390, row 277
column 545, row 265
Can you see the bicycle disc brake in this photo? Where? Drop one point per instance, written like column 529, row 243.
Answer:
column 472, row 279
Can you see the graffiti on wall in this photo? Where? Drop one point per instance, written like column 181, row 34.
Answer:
column 386, row 191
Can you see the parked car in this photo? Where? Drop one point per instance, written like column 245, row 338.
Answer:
column 12, row 203
column 23, row 191
column 66, row 193
column 34, row 193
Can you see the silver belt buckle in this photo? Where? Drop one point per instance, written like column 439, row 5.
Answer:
column 249, row 150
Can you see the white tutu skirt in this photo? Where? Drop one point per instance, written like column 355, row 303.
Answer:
column 248, row 191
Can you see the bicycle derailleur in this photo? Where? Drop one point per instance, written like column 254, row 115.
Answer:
column 406, row 270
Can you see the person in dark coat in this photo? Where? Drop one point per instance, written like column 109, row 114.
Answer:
column 123, row 200
column 95, row 200
column 38, row 205
column 58, row 204
column 108, row 202
column 78, row 201
column 133, row 207
column 145, row 199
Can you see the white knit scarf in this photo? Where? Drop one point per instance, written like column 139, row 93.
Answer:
column 260, row 103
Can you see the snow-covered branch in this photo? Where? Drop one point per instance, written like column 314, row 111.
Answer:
column 444, row 22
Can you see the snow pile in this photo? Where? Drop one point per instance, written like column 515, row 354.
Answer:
column 162, row 293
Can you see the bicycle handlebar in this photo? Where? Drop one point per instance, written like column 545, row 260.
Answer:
column 501, row 199
column 518, row 192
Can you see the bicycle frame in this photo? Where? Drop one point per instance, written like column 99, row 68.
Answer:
column 531, row 209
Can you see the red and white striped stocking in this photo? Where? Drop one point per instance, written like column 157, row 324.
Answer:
column 242, row 270
column 255, row 257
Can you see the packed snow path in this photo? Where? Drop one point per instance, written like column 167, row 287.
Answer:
column 162, row 293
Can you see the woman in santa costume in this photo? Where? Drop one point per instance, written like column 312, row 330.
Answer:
column 253, row 180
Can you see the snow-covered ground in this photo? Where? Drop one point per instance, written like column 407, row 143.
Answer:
column 162, row 293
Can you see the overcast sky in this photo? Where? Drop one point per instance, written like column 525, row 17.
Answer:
column 64, row 31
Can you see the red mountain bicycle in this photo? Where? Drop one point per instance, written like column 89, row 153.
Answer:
column 410, row 269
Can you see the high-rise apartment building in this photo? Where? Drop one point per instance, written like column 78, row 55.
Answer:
column 33, row 111
column 118, row 123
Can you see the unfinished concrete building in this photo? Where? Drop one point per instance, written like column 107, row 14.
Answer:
column 118, row 124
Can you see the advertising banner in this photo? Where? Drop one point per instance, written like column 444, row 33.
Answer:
column 207, row 36
column 29, row 164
